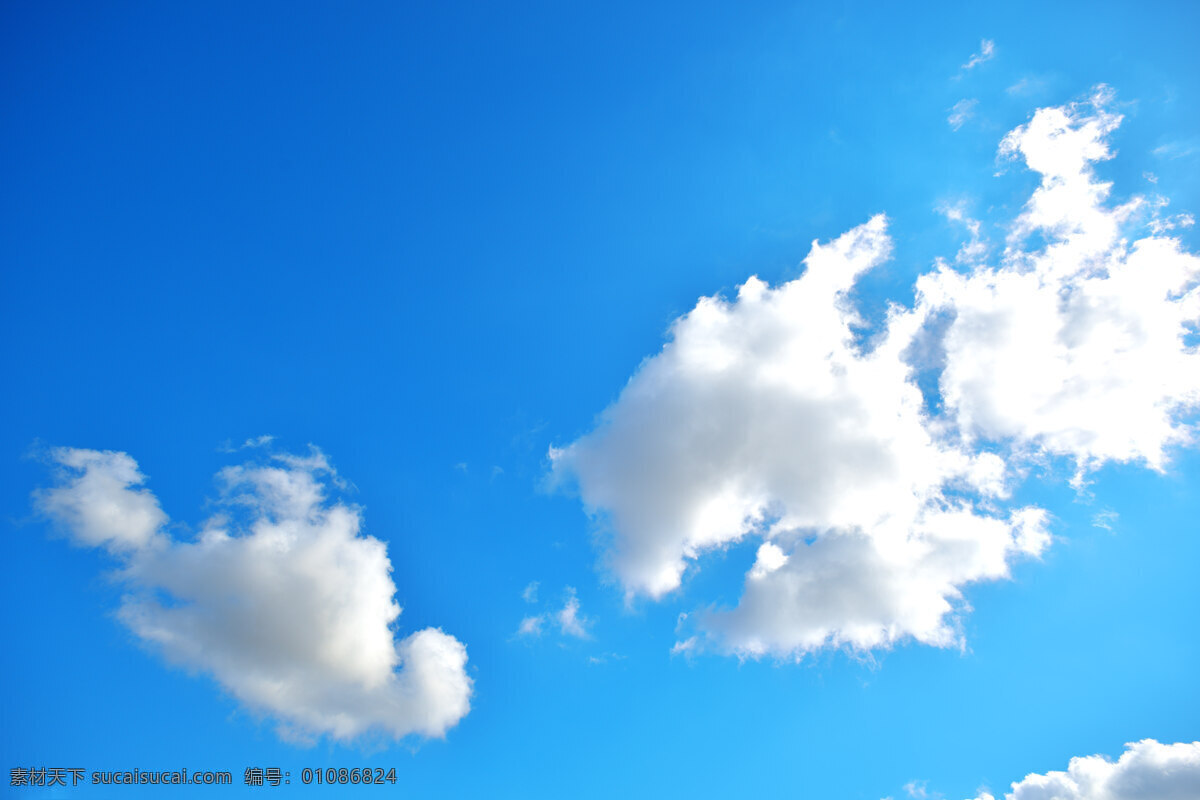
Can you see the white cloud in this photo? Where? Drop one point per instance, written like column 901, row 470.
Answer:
column 962, row 111
column 685, row 646
column 606, row 658
column 1077, row 347
column 765, row 417
column 258, row 441
column 531, row 626
column 1178, row 149
column 97, row 503
column 529, row 593
column 1161, row 224
column 976, row 249
column 282, row 599
column 866, row 590
column 569, row 620
column 251, row 443
column 987, row 50
column 762, row 417
column 916, row 789
column 1147, row 770
column 1027, row 86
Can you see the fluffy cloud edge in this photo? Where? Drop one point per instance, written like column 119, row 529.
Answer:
column 1147, row 770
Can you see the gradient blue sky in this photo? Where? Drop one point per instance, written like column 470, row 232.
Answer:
column 435, row 240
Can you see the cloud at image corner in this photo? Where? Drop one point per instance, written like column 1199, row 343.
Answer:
column 280, row 598
column 759, row 418
column 1147, row 770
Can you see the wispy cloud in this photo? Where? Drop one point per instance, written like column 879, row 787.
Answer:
column 962, row 111
column 569, row 620
column 606, row 658
column 251, row 443
column 1178, row 149
column 987, row 50
column 918, row 790
column 1026, row 86
column 975, row 249
column 531, row 626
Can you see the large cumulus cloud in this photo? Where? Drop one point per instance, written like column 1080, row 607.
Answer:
column 1080, row 347
column 876, row 503
column 763, row 417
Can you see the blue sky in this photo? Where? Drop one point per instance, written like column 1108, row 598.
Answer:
column 425, row 247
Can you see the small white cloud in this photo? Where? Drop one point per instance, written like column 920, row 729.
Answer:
column 605, row 658
column 1177, row 149
column 987, row 50
column 974, row 250
column 1105, row 519
column 530, row 593
column 1147, row 770
column 253, row 442
column 770, row 558
column 569, row 620
column 962, row 111
column 1026, row 86
column 1160, row 225
column 685, row 646
column 282, row 600
column 531, row 626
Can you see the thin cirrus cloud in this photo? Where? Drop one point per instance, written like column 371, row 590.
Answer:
column 1147, row 770
column 764, row 418
column 987, row 51
column 530, row 593
column 532, row 625
column 961, row 112
column 282, row 599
